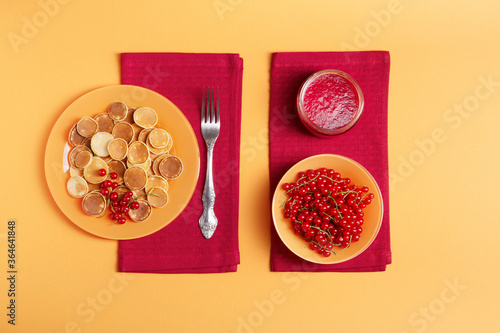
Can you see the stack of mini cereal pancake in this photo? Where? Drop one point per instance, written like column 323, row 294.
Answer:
column 126, row 142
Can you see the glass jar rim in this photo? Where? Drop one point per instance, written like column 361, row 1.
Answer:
column 301, row 110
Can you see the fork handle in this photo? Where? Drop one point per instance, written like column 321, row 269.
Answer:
column 208, row 221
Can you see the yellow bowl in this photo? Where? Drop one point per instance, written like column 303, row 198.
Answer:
column 372, row 218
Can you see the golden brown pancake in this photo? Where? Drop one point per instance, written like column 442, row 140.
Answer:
column 156, row 181
column 75, row 172
column 138, row 153
column 117, row 167
column 91, row 172
column 156, row 163
column 94, row 203
column 121, row 191
column 130, row 116
column 142, row 213
column 145, row 117
column 158, row 138
column 118, row 111
column 118, row 149
column 143, row 135
column 77, row 187
column 75, row 151
column 135, row 178
column 170, row 167
column 137, row 130
column 82, row 159
column 105, row 122
column 124, row 131
column 74, row 138
column 99, row 143
column 87, row 127
column 157, row 197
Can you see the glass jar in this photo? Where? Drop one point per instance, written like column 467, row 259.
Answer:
column 329, row 102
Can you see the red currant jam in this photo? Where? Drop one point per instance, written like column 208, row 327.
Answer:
column 329, row 102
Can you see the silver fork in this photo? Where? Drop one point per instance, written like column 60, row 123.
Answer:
column 210, row 128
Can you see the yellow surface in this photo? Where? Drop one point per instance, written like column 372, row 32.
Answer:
column 443, row 139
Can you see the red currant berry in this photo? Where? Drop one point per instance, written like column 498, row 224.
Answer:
column 102, row 172
column 310, row 233
column 134, row 205
column 313, row 246
column 105, row 192
column 113, row 175
column 113, row 196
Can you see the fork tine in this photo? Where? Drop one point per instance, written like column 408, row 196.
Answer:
column 212, row 107
column 203, row 107
column 218, row 110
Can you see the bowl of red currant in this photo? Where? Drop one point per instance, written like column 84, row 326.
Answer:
column 327, row 209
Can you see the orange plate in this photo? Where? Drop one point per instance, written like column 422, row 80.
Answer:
column 359, row 176
column 170, row 118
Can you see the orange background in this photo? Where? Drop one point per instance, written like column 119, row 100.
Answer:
column 443, row 138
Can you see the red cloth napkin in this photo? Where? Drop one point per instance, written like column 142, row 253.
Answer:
column 180, row 247
column 365, row 143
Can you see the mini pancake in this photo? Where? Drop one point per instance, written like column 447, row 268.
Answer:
column 145, row 117
column 139, row 193
column 118, row 149
column 87, row 142
column 159, row 138
column 105, row 122
column 87, row 127
column 143, row 135
column 170, row 167
column 142, row 213
column 94, row 203
column 82, row 159
column 121, row 191
column 124, row 131
column 135, row 178
column 157, row 197
column 119, row 168
column 75, row 151
column 150, row 172
column 146, row 165
column 94, row 187
column 77, row 187
column 156, row 163
column 138, row 153
column 156, row 181
column 137, row 130
column 74, row 138
column 99, row 143
column 159, row 151
column 91, row 172
column 75, row 172
column 118, row 111
column 130, row 116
